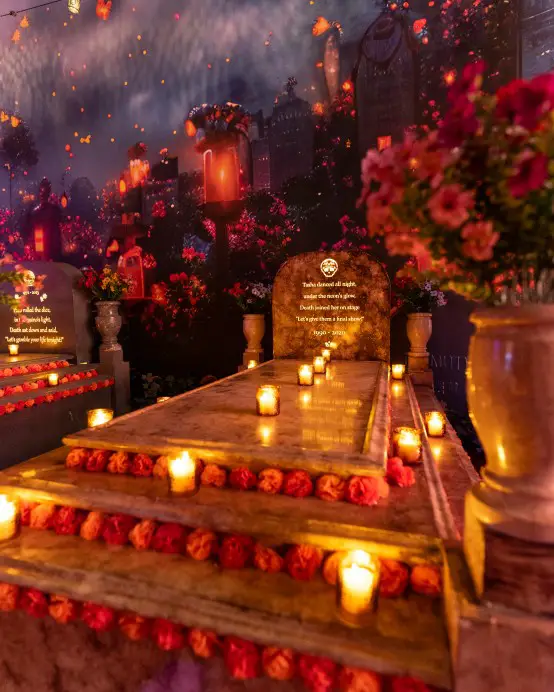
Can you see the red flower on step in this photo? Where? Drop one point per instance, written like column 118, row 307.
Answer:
column 398, row 474
column 278, row 664
column 168, row 635
column 426, row 580
column 98, row 617
column 241, row 657
column 330, row 488
column 142, row 465
column 134, row 627
column 92, row 527
column 362, row 490
column 242, row 479
column 67, row 521
column 9, row 597
column 394, row 578
column 298, row 484
column 63, row 609
column 34, row 603
column 203, row 643
column 318, row 674
column 160, row 468
column 25, row 509
column 201, row 544
column 98, row 460
column 116, row 528
column 236, row 551
column 120, row 462
column 270, row 481
column 267, row 559
column 42, row 517
column 303, row 561
column 358, row 680
column 214, row 476
column 170, row 538
column 142, row 534
column 330, row 569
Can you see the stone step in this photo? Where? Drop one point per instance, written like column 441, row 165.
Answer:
column 15, row 380
column 405, row 636
column 32, row 394
column 7, row 361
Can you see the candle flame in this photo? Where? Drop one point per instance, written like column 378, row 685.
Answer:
column 181, row 466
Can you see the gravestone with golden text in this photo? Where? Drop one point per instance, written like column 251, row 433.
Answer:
column 339, row 300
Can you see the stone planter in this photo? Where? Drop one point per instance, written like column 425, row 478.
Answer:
column 419, row 328
column 108, row 323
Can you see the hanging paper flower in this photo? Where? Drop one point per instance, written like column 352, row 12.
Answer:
column 103, row 9
column 74, row 6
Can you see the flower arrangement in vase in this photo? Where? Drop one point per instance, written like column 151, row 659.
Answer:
column 106, row 285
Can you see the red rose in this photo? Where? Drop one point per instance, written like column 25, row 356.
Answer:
column 142, row 465
column 427, row 580
column 408, row 685
column 242, row 479
column 119, row 463
column 34, row 603
column 318, row 674
column 133, row 626
column 270, row 481
column 278, row 664
column 63, row 609
column 362, row 490
column 9, row 597
column 92, row 527
column 330, row 569
column 267, row 559
column 358, row 680
column 236, row 551
column 42, row 517
column 29, row 403
column 40, row 400
column 398, row 474
column 98, row 460
column 201, row 544
column 303, row 561
column 67, row 521
column 394, row 578
column 116, row 529
column 98, row 617
column 203, row 642
column 26, row 386
column 241, row 658
column 168, row 635
column 297, row 484
column 160, row 468
column 214, row 475
column 2, row 410
column 330, row 488
column 49, row 398
column 170, row 538
column 142, row 534
column 25, row 509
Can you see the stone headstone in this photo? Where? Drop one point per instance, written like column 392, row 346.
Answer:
column 337, row 298
column 56, row 313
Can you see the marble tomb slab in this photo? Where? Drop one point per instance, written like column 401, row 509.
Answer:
column 339, row 425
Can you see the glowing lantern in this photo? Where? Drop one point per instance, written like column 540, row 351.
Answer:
column 450, row 77
column 74, row 6
column 139, row 171
column 3, row 116
column 63, row 201
column 24, row 23
column 347, row 86
column 14, row 121
column 318, row 108
column 122, row 186
column 384, row 142
column 39, row 240
column 16, row 36
column 320, row 26
column 221, row 173
column 190, row 128
column 103, row 9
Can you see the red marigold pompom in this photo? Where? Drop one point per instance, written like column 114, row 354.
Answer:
column 77, row 458
column 241, row 658
column 63, row 609
column 408, row 684
column 92, row 527
column 303, row 561
column 298, row 484
column 25, row 509
column 9, row 597
column 168, row 635
column 117, row 528
column 427, row 580
column 270, row 481
column 34, row 603
column 67, row 521
column 398, row 474
column 142, row 534
column 201, row 544
column 236, row 551
column 120, row 462
column 142, row 465
column 330, row 488
column 278, row 664
column 214, row 475
column 160, row 468
column 98, row 617
column 330, row 569
column 134, row 627
column 267, row 559
column 318, row 674
column 170, row 538
column 362, row 490
column 203, row 643
column 242, row 479
column 394, row 578
column 358, row 680
column 42, row 517
column 98, row 460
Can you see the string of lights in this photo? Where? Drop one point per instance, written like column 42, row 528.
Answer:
column 14, row 13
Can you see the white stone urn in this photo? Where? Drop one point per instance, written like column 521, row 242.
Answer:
column 253, row 327
column 108, row 323
column 419, row 328
column 510, row 390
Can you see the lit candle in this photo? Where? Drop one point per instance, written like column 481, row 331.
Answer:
column 268, row 400
column 326, row 353
column 320, row 365
column 408, row 445
column 13, row 349
column 53, row 379
column 435, row 424
column 161, row 399
column 306, row 375
column 8, row 518
column 99, row 416
column 182, row 474
column 357, row 583
column 252, row 364
column 397, row 371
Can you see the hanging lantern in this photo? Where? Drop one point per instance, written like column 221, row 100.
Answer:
column 221, row 172
column 122, row 186
column 64, row 201
column 74, row 6
column 103, row 9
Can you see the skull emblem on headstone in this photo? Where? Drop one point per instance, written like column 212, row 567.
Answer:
column 329, row 267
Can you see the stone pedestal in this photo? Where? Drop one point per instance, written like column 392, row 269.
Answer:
column 112, row 363
column 252, row 354
column 418, row 362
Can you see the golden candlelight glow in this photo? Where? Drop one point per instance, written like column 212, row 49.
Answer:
column 268, row 400
column 13, row 349
column 397, row 371
column 320, row 365
column 358, row 579
column 436, row 451
column 326, row 353
column 435, row 424
column 408, row 445
column 53, row 379
column 182, row 474
column 305, row 399
column 99, row 416
column 397, row 389
column 161, row 399
column 306, row 375
column 252, row 364
column 8, row 518
column 266, row 432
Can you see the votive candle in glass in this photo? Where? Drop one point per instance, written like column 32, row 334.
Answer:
column 161, row 399
column 53, row 379
column 408, row 445
column 306, row 375
column 8, row 518
column 252, row 364
column 182, row 474
column 397, row 371
column 99, row 416
column 358, row 580
column 320, row 365
column 435, row 424
column 326, row 353
column 268, row 400
column 13, row 349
